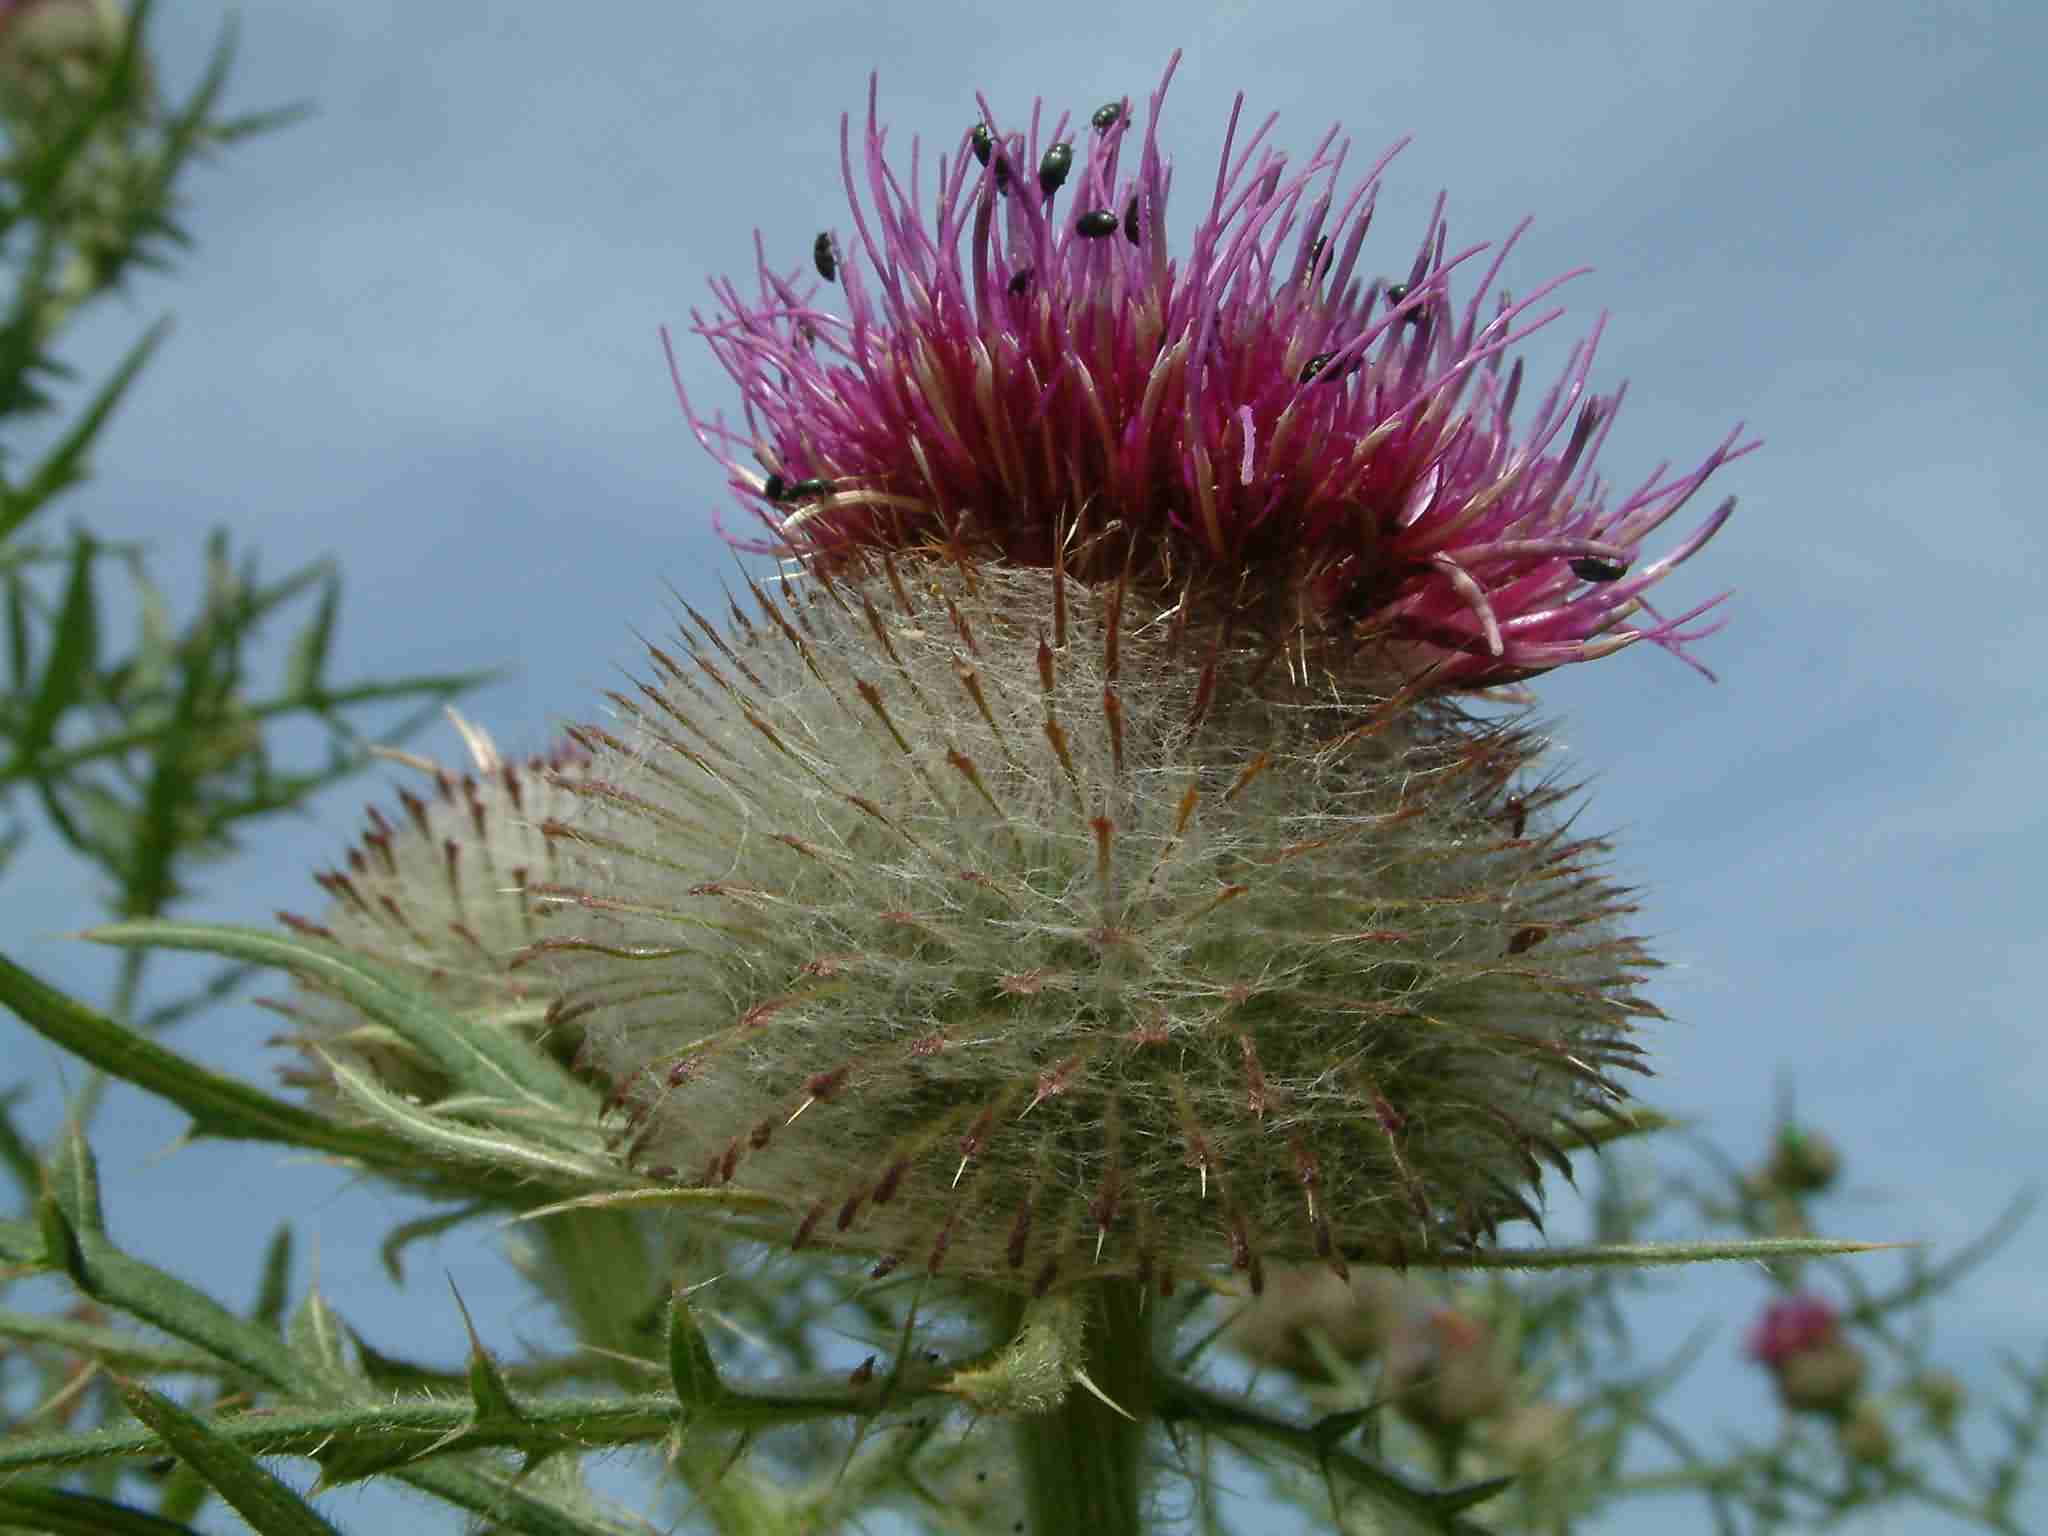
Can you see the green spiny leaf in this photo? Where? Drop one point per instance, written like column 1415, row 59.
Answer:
column 110, row 1346
column 15, row 1151
column 498, row 1152
column 275, row 1289
column 220, row 1106
column 61, row 1247
column 691, row 1369
column 306, row 672
column 1652, row 1255
column 64, row 465
column 145, row 1292
column 271, row 1507
column 480, row 1061
column 405, row 1235
column 319, row 1338
column 74, row 655
column 487, row 1389
column 1595, row 1131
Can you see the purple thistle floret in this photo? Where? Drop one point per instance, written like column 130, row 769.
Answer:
column 1790, row 1326
column 1259, row 422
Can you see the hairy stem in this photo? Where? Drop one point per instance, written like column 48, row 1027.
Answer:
column 1083, row 1463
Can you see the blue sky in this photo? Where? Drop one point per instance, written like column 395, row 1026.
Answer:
column 419, row 333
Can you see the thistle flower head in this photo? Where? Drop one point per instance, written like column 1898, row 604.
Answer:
column 1015, row 363
column 992, row 924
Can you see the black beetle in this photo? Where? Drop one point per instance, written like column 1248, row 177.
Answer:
column 1597, row 569
column 1396, row 292
column 806, row 490
column 1106, row 116
column 1131, row 222
column 984, row 142
column 825, row 252
column 1021, row 282
column 1095, row 223
column 775, row 488
column 1052, row 170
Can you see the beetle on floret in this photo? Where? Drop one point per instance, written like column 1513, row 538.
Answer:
column 1595, row 569
column 1052, row 170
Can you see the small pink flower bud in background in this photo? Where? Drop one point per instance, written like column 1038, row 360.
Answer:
column 1445, row 1369
column 1799, row 1339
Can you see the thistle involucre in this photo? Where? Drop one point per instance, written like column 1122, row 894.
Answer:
column 1006, row 927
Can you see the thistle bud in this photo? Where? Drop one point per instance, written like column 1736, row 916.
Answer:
column 1306, row 1310
column 1531, row 1436
column 1942, row 1398
column 1804, row 1162
column 1865, row 1436
column 1446, row 1370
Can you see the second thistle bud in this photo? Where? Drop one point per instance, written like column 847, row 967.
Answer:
column 441, row 891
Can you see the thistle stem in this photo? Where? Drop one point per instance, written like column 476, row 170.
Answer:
column 1083, row 1463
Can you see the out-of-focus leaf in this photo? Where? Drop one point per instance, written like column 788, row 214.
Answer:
column 73, row 657
column 274, row 1290
column 1652, row 1255
column 306, row 672
column 65, row 464
column 692, row 1371
column 15, row 1151
column 393, row 1248
column 59, row 1512
column 320, row 1339
column 20, row 655
column 110, row 1346
column 270, row 1506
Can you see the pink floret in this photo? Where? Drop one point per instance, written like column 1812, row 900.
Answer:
column 1792, row 1326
